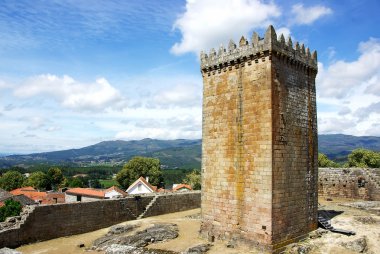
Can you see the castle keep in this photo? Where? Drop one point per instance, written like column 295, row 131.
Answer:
column 259, row 150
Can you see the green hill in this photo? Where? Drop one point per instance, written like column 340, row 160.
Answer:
column 179, row 153
column 117, row 152
column 338, row 146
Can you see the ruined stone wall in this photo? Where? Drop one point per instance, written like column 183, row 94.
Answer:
column 353, row 183
column 259, row 172
column 52, row 221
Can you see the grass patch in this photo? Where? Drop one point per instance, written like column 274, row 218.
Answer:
column 106, row 183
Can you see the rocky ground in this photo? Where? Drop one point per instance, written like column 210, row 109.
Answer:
column 178, row 234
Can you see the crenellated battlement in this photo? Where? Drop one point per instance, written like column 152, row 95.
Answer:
column 247, row 51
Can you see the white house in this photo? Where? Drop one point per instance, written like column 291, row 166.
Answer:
column 88, row 194
column 114, row 192
column 141, row 186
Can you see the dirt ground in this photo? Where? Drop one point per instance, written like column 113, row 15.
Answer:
column 347, row 218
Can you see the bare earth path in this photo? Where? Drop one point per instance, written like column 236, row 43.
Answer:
column 364, row 223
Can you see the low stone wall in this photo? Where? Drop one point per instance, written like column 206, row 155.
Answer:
column 52, row 221
column 355, row 183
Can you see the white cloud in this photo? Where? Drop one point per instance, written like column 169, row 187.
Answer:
column 342, row 77
column 157, row 133
column 206, row 24
column 72, row 94
column 307, row 15
column 179, row 96
column 34, row 123
column 331, row 53
column 169, row 124
column 365, row 112
column 4, row 85
column 353, row 89
column 283, row 30
column 53, row 128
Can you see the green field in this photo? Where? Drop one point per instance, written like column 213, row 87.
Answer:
column 106, row 183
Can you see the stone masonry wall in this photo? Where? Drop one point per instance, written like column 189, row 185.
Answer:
column 236, row 152
column 73, row 198
column 295, row 149
column 259, row 148
column 52, row 221
column 353, row 183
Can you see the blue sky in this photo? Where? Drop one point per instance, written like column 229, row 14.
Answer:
column 74, row 73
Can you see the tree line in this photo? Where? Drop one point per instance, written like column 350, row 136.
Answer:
column 55, row 178
column 358, row 158
column 150, row 167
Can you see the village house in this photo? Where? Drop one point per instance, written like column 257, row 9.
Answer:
column 181, row 187
column 114, row 192
column 40, row 197
column 89, row 194
column 141, row 186
column 24, row 200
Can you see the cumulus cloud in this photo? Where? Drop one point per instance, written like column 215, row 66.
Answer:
column 72, row 94
column 365, row 112
column 206, row 24
column 283, row 30
column 161, row 126
column 332, row 125
column 4, row 85
column 178, row 96
column 338, row 79
column 158, row 133
column 34, row 123
column 353, row 87
column 307, row 15
column 373, row 85
column 9, row 107
column 53, row 128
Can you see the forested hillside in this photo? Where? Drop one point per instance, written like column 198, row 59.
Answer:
column 180, row 153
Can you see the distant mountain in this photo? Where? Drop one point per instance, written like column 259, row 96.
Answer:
column 180, row 153
column 338, row 146
column 117, row 152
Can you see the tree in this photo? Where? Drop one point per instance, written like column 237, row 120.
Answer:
column 94, row 183
column 194, row 179
column 11, row 180
column 74, row 182
column 364, row 158
column 324, row 162
column 38, row 180
column 140, row 166
column 11, row 208
column 55, row 177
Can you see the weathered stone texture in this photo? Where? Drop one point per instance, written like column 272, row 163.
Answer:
column 52, row 221
column 355, row 183
column 259, row 142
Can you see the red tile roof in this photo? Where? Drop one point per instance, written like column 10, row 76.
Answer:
column 181, row 186
column 40, row 196
column 163, row 190
column 30, row 192
column 86, row 192
column 22, row 190
column 115, row 188
column 142, row 180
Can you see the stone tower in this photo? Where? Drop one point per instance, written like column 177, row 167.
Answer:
column 259, row 149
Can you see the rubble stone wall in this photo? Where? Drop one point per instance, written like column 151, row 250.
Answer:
column 52, row 221
column 353, row 183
